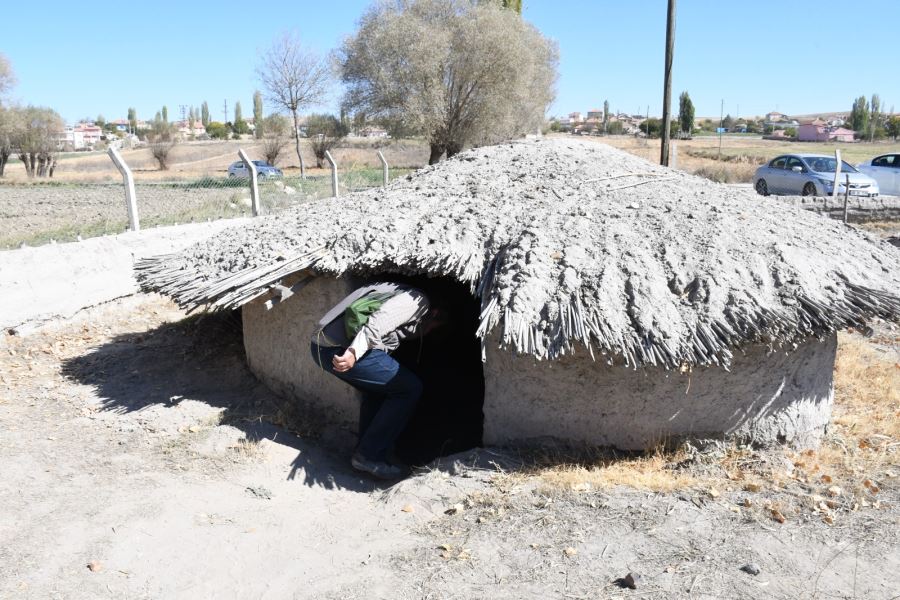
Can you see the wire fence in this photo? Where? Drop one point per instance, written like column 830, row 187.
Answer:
column 89, row 199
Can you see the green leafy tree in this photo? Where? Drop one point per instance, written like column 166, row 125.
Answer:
column 606, row 116
column 515, row 5
column 204, row 114
column 728, row 122
column 893, row 127
column 7, row 76
column 132, row 119
column 240, row 126
column 258, row 122
column 217, row 130
column 325, row 132
column 859, row 116
column 165, row 113
column 874, row 116
column 686, row 113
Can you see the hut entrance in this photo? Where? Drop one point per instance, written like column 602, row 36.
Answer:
column 449, row 416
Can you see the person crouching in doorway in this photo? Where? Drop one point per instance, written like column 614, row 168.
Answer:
column 354, row 342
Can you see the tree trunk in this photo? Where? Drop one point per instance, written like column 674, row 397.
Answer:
column 4, row 157
column 437, row 151
column 453, row 148
column 297, row 144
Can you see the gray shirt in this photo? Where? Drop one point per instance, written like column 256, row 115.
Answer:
column 399, row 318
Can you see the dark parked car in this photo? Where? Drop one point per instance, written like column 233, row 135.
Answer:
column 263, row 169
column 810, row 175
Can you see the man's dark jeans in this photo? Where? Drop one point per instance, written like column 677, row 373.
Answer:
column 390, row 392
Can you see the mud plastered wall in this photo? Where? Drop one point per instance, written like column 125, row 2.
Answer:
column 765, row 398
column 277, row 343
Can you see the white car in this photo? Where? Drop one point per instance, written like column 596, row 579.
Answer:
column 884, row 169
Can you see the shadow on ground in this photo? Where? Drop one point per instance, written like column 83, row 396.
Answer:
column 201, row 358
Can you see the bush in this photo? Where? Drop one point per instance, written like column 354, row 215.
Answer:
column 218, row 131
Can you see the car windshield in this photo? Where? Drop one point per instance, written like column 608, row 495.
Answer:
column 828, row 165
column 260, row 163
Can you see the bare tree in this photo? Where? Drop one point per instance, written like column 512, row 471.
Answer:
column 294, row 78
column 459, row 71
column 162, row 139
column 277, row 132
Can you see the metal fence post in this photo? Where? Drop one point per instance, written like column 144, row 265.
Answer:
column 334, row 174
column 254, row 188
column 134, row 221
column 384, row 168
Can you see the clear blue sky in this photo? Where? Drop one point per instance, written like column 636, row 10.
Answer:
column 90, row 57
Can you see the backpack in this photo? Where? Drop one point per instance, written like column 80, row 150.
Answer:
column 357, row 314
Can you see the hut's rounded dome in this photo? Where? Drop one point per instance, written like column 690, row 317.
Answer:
column 570, row 243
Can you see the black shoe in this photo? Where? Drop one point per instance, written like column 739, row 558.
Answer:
column 375, row 468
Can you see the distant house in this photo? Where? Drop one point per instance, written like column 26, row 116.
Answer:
column 188, row 128
column 776, row 117
column 840, row 134
column 576, row 117
column 595, row 113
column 818, row 131
column 810, row 132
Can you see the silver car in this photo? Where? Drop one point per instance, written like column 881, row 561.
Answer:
column 810, row 175
column 884, row 169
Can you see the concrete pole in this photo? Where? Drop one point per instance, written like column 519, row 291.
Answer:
column 667, row 85
column 384, row 168
column 334, row 174
column 673, row 159
column 134, row 221
column 254, row 187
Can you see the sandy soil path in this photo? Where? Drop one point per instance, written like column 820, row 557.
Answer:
column 139, row 459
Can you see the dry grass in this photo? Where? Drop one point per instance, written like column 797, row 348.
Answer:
column 860, row 451
column 650, row 472
column 740, row 155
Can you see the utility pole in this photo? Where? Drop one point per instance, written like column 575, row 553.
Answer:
column 225, row 111
column 667, row 85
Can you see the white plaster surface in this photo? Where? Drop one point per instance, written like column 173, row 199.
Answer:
column 765, row 398
column 84, row 273
column 277, row 343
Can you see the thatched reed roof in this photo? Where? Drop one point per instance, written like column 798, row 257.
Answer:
column 571, row 243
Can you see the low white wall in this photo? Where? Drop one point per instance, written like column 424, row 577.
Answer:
column 765, row 398
column 277, row 341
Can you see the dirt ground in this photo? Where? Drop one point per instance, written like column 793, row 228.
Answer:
column 140, row 459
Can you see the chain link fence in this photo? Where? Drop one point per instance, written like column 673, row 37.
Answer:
column 86, row 196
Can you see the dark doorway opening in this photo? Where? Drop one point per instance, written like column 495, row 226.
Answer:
column 449, row 417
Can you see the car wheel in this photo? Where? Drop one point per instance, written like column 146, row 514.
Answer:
column 762, row 188
column 809, row 189
column 231, row 174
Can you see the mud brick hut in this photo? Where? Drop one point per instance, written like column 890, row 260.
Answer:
column 597, row 297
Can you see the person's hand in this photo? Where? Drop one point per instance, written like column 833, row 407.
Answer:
column 344, row 362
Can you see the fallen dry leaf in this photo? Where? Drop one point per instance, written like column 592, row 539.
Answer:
column 828, row 519
column 752, row 487
column 407, row 509
column 835, row 491
column 194, row 428
column 713, row 492
column 826, row 478
column 776, row 515
column 95, row 566
column 570, row 551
